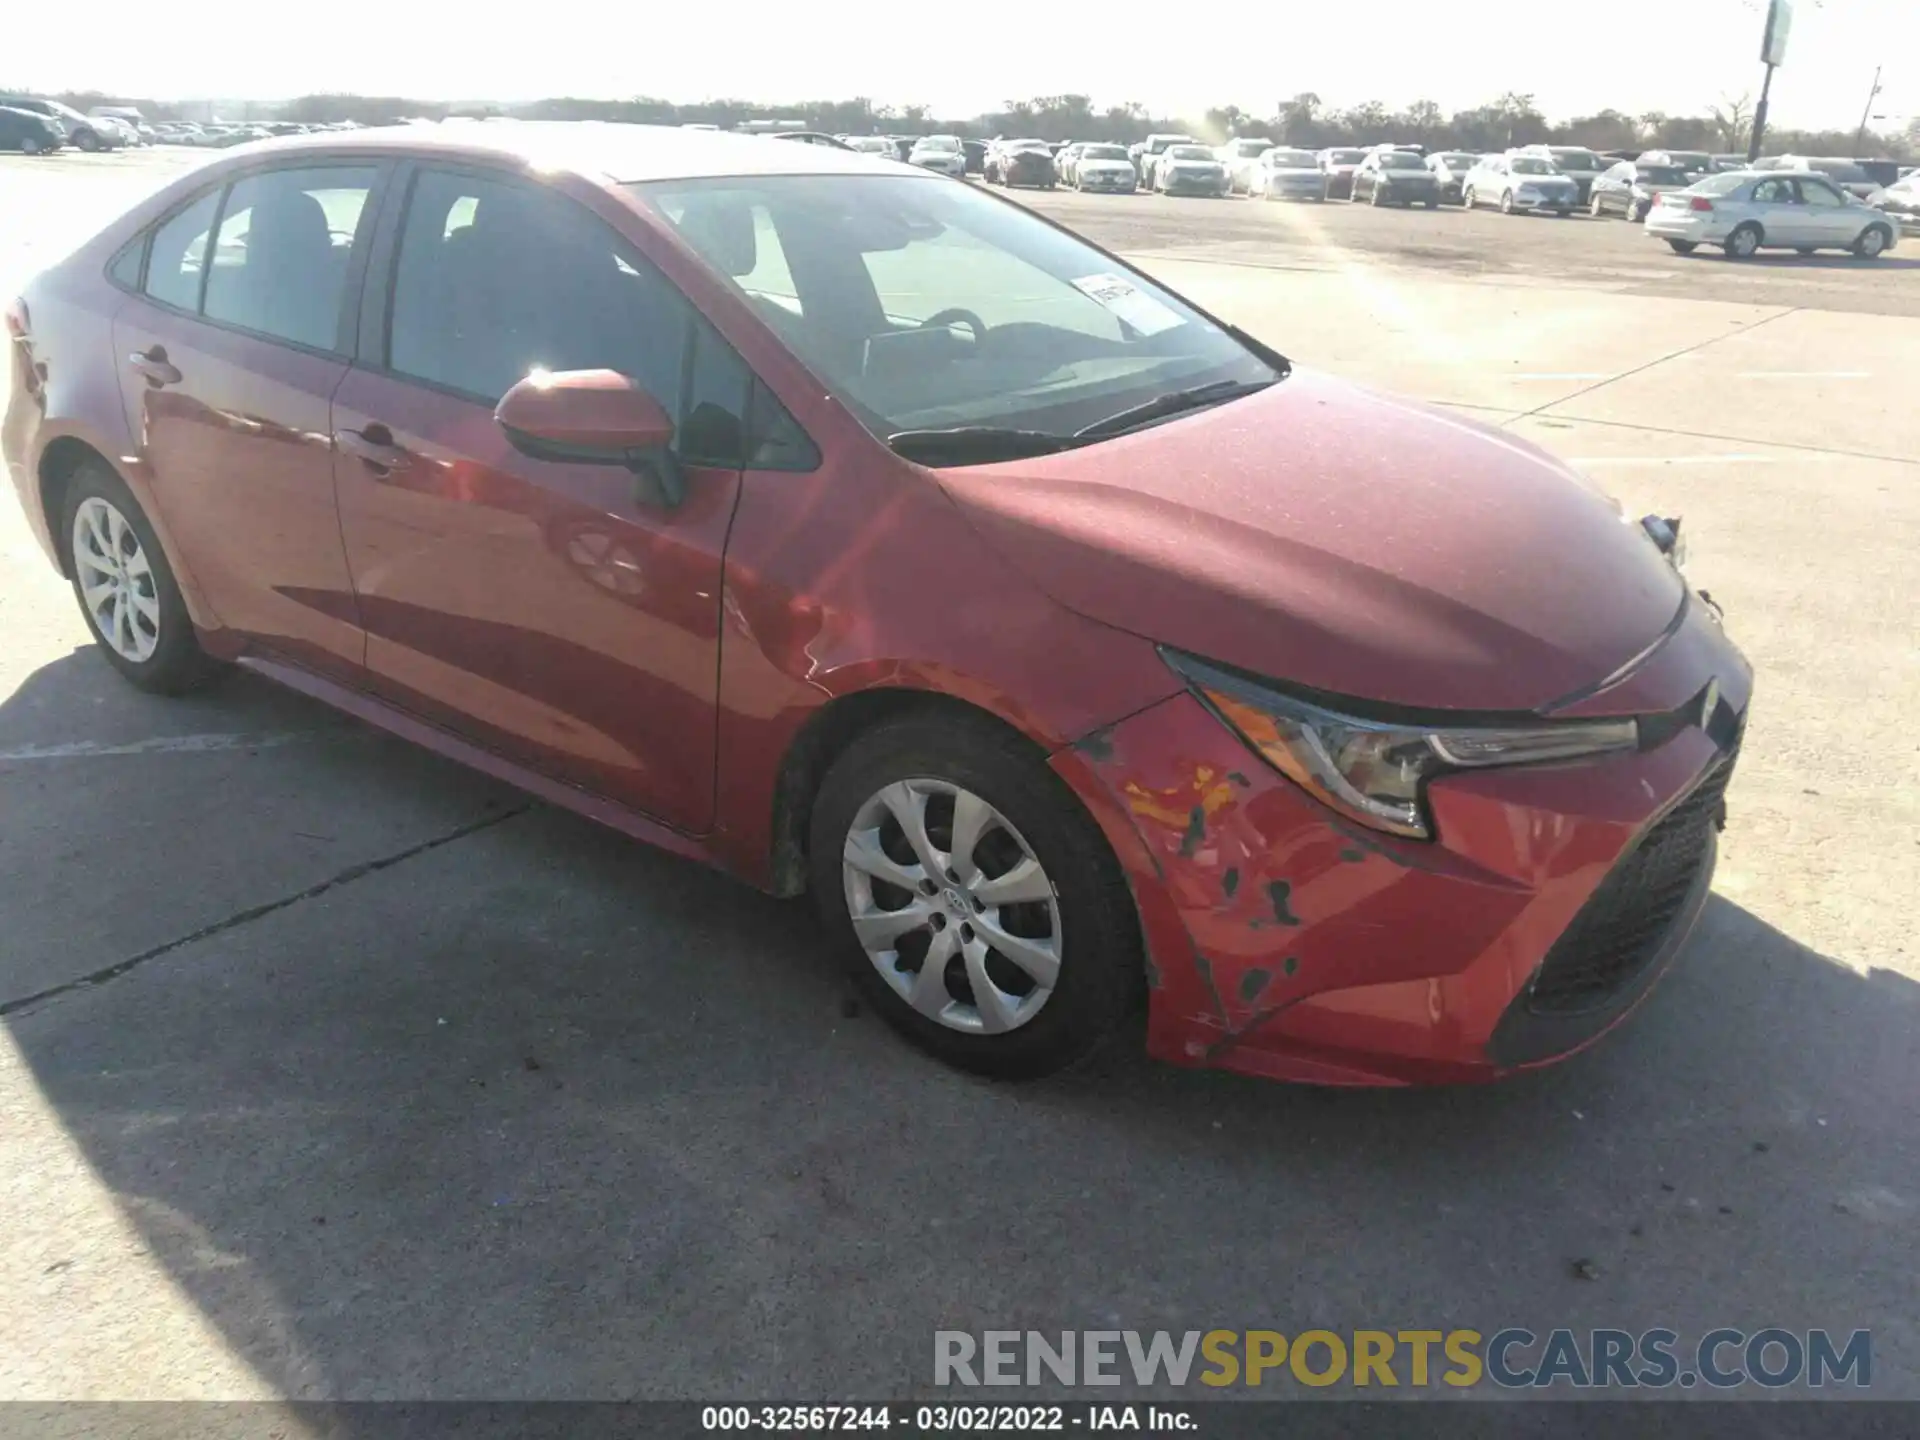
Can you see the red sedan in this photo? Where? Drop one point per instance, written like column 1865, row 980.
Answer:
column 863, row 534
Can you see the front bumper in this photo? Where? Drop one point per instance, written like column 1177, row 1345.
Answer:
column 1287, row 943
column 1107, row 180
column 1195, row 185
column 1302, row 189
column 1403, row 192
column 1544, row 200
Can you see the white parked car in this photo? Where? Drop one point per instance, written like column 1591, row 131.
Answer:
column 1100, row 166
column 1748, row 211
column 1450, row 169
column 1519, row 183
column 1844, row 174
column 1242, row 159
column 877, row 145
column 1285, row 173
column 1189, row 170
column 939, row 152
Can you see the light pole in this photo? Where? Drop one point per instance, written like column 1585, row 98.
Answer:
column 1773, row 49
column 1860, row 135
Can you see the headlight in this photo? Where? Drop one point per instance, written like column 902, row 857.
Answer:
column 1375, row 771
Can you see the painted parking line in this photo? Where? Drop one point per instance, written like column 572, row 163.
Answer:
column 1566, row 375
column 1803, row 375
column 168, row 744
column 1675, row 460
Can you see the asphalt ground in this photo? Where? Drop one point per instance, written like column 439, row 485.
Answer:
column 363, row 1077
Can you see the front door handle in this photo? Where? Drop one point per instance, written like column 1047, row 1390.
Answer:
column 153, row 364
column 373, row 446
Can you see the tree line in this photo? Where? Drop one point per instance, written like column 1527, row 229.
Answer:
column 1304, row 120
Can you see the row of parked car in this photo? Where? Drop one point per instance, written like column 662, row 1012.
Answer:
column 39, row 126
column 1688, row 198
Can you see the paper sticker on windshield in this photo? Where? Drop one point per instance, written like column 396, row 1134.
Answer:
column 1128, row 303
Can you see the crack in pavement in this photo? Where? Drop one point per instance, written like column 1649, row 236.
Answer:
column 1801, row 446
column 256, row 912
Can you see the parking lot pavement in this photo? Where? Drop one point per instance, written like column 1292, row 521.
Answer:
column 458, row 1096
column 1512, row 251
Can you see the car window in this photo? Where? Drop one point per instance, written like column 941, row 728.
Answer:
column 178, row 252
column 1773, row 192
column 279, row 262
column 531, row 281
column 1813, row 192
column 928, row 306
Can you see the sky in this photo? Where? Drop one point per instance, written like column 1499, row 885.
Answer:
column 1679, row 56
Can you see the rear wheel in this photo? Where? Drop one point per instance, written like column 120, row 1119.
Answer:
column 1684, row 247
column 87, row 141
column 984, row 916
column 126, row 588
column 30, row 145
column 1743, row 242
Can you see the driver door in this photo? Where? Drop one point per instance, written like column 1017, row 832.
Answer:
column 556, row 613
column 1829, row 220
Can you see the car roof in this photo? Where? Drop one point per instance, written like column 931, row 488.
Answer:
column 624, row 153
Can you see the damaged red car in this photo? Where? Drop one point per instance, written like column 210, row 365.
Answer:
column 866, row 535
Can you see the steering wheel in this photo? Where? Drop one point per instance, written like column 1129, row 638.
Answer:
column 957, row 316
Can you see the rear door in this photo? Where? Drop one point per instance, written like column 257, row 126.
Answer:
column 229, row 355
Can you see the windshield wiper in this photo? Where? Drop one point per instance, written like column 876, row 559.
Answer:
column 1171, row 403
column 975, row 444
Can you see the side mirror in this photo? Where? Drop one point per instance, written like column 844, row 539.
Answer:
column 593, row 417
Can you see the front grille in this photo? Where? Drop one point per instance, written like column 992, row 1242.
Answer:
column 1621, row 927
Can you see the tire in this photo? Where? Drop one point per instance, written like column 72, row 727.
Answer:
column 1100, row 969
column 1593, row 208
column 176, row 663
column 87, row 141
column 1468, row 201
column 1872, row 242
column 1506, row 202
column 1743, row 242
column 30, row 145
column 1684, row 247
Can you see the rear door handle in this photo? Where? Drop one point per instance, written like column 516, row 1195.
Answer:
column 373, row 447
column 153, row 364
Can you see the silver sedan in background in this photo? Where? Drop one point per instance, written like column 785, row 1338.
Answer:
column 1750, row 211
column 1242, row 159
column 1450, row 168
column 1099, row 166
column 1284, row 173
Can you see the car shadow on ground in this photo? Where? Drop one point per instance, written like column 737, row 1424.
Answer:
column 544, row 1113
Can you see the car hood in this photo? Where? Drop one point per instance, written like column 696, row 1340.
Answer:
column 1324, row 535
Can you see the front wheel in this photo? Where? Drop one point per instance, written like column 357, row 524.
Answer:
column 1593, row 208
column 1743, row 242
column 126, row 588
column 1871, row 243
column 87, row 141
column 984, row 916
column 30, row 145
column 1684, row 247
column 1467, row 199
column 1506, row 203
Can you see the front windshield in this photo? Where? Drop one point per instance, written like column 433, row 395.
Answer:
column 1291, row 159
column 1690, row 159
column 1578, row 160
column 1346, row 157
column 1458, row 162
column 1247, row 149
column 1532, row 165
column 1189, row 152
column 938, row 142
column 926, row 305
column 1104, row 152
